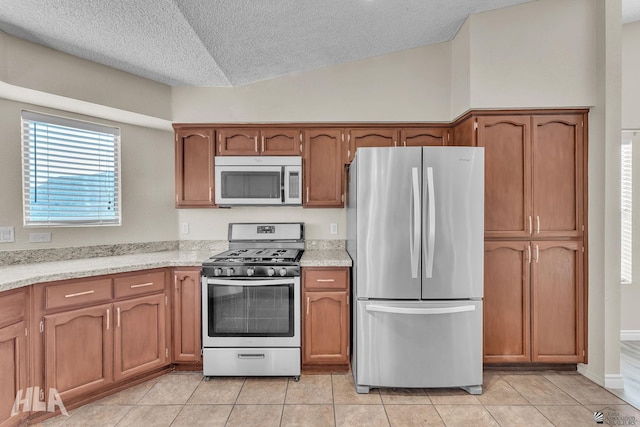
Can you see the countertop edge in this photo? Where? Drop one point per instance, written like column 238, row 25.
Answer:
column 17, row 276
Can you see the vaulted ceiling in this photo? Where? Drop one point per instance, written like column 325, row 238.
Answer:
column 236, row 42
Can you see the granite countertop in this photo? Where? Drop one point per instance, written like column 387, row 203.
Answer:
column 325, row 258
column 16, row 276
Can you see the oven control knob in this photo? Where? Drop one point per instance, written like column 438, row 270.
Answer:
column 271, row 272
column 230, row 271
column 283, row 271
column 217, row 272
column 250, row 271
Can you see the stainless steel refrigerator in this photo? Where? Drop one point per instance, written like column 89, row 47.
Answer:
column 415, row 233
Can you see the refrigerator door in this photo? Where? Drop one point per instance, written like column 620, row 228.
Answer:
column 418, row 344
column 387, row 221
column 453, row 222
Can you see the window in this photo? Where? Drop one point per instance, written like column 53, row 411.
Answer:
column 626, row 208
column 71, row 172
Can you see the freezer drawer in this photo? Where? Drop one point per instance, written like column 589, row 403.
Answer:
column 418, row 344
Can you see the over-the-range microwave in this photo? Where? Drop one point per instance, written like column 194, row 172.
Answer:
column 258, row 180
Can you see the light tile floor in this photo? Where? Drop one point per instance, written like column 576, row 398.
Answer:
column 509, row 399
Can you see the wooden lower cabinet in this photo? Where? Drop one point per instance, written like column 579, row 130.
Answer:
column 139, row 336
column 326, row 317
column 507, row 325
column 14, row 372
column 78, row 347
column 558, row 301
column 93, row 334
column 534, row 302
column 187, row 325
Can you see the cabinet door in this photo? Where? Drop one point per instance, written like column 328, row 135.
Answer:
column 187, row 326
column 139, row 336
column 238, row 142
column 507, row 203
column 424, row 137
column 506, row 302
column 385, row 137
column 557, row 146
column 280, row 142
column 557, row 302
column 326, row 332
column 194, row 167
column 78, row 350
column 323, row 168
column 13, row 370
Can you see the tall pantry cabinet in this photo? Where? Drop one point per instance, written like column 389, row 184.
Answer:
column 535, row 191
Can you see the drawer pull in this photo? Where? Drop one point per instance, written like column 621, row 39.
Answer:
column 77, row 294
column 250, row 356
column 325, row 280
column 141, row 285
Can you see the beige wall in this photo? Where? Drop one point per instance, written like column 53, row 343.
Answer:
column 630, row 73
column 147, row 186
column 28, row 65
column 412, row 85
column 538, row 54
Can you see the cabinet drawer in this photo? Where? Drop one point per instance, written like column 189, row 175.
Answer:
column 325, row 278
column 13, row 306
column 139, row 284
column 86, row 292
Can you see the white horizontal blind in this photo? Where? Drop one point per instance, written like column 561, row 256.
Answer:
column 71, row 172
column 626, row 209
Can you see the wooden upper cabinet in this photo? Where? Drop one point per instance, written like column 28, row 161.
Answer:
column 323, row 168
column 259, row 142
column 281, row 142
column 238, row 142
column 507, row 144
column 464, row 134
column 558, row 302
column 421, row 137
column 557, row 146
column 534, row 175
column 195, row 151
column 378, row 137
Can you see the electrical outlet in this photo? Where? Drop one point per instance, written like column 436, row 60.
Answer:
column 185, row 228
column 39, row 237
column 7, row 235
column 334, row 228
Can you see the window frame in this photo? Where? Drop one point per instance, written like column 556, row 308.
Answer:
column 90, row 132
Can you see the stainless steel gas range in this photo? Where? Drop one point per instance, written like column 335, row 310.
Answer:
column 251, row 302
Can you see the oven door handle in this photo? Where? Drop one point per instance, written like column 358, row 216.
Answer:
column 241, row 282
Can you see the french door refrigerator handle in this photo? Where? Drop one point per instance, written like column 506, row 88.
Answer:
column 403, row 310
column 431, row 227
column 414, row 225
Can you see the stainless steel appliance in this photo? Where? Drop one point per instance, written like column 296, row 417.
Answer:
column 259, row 180
column 251, row 302
column 415, row 229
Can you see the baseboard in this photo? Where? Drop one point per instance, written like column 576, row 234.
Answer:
column 586, row 372
column 614, row 381
column 630, row 335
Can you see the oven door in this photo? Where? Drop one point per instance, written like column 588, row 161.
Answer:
column 247, row 312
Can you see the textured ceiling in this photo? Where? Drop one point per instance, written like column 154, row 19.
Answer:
column 236, row 42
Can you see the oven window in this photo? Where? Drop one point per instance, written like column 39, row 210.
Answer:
column 251, row 311
column 251, row 185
